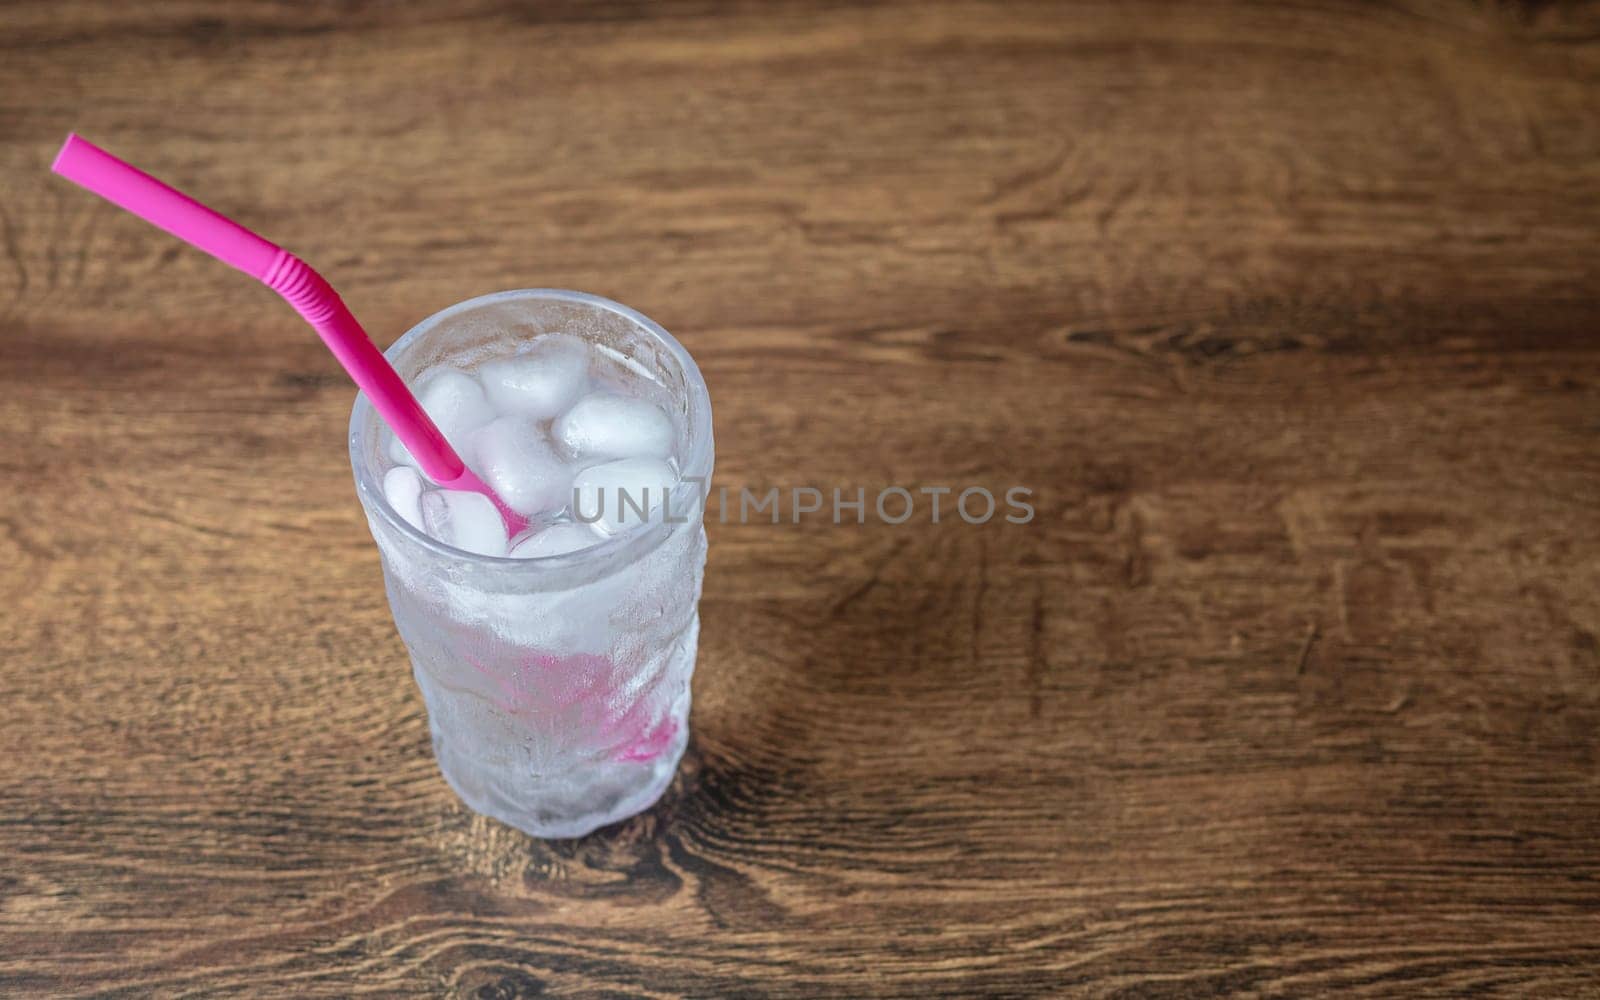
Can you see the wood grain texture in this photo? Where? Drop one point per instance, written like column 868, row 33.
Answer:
column 1286, row 312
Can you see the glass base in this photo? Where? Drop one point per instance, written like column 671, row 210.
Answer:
column 569, row 805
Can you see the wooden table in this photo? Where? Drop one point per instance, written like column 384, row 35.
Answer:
column 1286, row 314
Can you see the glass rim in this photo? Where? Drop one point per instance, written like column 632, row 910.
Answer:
column 697, row 464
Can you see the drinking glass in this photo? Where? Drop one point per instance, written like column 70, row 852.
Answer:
column 557, row 688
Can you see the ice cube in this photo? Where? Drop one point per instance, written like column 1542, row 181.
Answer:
column 465, row 520
column 604, row 425
column 541, row 381
column 618, row 491
column 457, row 403
column 517, row 462
column 556, row 540
column 402, row 487
column 565, row 621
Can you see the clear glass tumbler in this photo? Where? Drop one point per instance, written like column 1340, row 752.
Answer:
column 557, row 688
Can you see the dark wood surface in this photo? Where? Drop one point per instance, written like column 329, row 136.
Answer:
column 1287, row 313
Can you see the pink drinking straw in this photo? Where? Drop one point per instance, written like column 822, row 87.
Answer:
column 96, row 170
